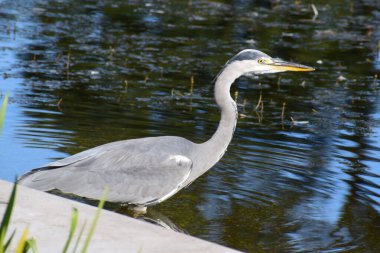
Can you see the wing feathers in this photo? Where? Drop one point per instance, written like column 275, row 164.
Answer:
column 135, row 172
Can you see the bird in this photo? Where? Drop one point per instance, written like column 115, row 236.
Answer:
column 146, row 171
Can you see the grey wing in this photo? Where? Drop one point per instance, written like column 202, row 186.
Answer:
column 143, row 176
column 93, row 152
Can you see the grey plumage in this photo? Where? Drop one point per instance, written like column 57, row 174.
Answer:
column 149, row 170
column 141, row 178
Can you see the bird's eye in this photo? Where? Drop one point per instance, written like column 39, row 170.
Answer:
column 260, row 61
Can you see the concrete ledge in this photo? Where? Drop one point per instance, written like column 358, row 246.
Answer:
column 48, row 218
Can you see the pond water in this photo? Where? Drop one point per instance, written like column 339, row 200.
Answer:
column 302, row 173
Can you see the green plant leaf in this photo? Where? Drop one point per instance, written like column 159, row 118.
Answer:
column 21, row 244
column 79, row 237
column 9, row 240
column 74, row 222
column 3, row 109
column 6, row 219
column 31, row 244
column 94, row 221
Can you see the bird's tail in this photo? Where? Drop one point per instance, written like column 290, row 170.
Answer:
column 41, row 179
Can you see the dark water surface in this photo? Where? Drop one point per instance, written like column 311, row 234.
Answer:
column 311, row 184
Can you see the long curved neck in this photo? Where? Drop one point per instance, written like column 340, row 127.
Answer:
column 220, row 140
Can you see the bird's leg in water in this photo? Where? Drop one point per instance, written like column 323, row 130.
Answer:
column 132, row 210
column 137, row 210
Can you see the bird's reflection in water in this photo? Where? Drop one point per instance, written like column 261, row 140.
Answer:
column 152, row 216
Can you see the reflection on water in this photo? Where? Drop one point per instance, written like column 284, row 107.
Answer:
column 88, row 73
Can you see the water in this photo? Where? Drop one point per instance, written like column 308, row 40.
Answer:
column 83, row 74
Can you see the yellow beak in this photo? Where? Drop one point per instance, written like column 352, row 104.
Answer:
column 289, row 66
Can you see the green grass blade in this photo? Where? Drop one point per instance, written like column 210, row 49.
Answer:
column 31, row 244
column 73, row 226
column 79, row 237
column 3, row 109
column 22, row 243
column 2, row 249
column 9, row 240
column 94, row 221
column 6, row 217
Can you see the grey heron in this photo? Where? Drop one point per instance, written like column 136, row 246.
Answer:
column 146, row 171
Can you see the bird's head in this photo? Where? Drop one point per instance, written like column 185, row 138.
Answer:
column 251, row 61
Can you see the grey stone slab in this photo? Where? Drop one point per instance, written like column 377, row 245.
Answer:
column 48, row 219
